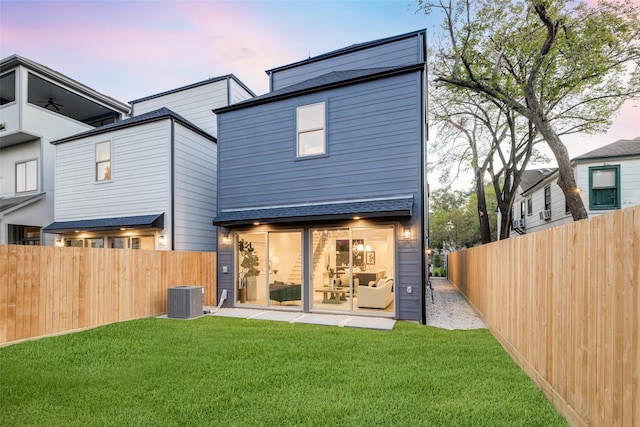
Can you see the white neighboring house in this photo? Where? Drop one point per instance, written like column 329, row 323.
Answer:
column 148, row 182
column 38, row 105
column 608, row 178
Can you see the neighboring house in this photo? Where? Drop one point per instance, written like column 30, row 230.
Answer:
column 322, row 185
column 38, row 105
column 608, row 178
column 148, row 182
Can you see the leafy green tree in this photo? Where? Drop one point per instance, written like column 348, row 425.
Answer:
column 452, row 221
column 566, row 68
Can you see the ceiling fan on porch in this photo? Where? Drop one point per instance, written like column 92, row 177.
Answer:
column 51, row 103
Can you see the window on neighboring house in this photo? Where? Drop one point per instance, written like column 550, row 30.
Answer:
column 523, row 209
column 604, row 187
column 529, row 206
column 311, row 140
column 103, row 161
column 547, row 198
column 8, row 88
column 26, row 176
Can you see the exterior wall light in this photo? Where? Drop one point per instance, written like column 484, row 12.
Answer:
column 225, row 239
column 162, row 239
column 59, row 243
column 406, row 234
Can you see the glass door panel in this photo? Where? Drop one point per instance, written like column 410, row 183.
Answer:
column 374, row 270
column 251, row 273
column 285, row 269
column 331, row 269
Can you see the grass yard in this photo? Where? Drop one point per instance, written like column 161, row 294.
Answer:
column 238, row 372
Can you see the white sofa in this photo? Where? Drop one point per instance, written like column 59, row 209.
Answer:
column 378, row 296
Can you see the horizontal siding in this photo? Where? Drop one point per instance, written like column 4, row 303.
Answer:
column 237, row 92
column 629, row 182
column 140, row 175
column 194, row 104
column 401, row 52
column 373, row 144
column 195, row 195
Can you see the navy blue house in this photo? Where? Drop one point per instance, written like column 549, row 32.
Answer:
column 322, row 185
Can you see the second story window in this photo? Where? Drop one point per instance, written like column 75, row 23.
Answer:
column 523, row 209
column 604, row 187
column 547, row 198
column 310, row 124
column 529, row 206
column 26, row 176
column 103, row 161
column 8, row 88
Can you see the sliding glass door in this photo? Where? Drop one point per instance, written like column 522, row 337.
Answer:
column 353, row 269
column 269, row 268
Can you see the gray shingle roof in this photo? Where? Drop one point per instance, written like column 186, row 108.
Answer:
column 370, row 208
column 11, row 202
column 152, row 116
column 531, row 177
column 103, row 224
column 325, row 81
column 621, row 148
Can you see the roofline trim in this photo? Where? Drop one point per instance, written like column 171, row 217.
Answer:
column 131, row 123
column 195, row 85
column 348, row 49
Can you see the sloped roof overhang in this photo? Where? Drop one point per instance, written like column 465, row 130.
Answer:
column 393, row 207
column 107, row 224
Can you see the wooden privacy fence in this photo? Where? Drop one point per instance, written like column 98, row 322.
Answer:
column 565, row 303
column 49, row 290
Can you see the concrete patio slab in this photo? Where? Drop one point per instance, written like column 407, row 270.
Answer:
column 370, row 323
column 379, row 323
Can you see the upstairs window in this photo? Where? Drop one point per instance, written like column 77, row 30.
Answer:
column 547, row 198
column 604, row 187
column 26, row 176
column 8, row 88
column 529, row 206
column 103, row 161
column 523, row 209
column 310, row 120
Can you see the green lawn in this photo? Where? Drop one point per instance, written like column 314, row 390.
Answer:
column 238, row 372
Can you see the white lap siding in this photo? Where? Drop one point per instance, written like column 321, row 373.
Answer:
column 140, row 175
column 195, row 191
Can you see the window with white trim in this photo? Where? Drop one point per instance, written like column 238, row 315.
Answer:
column 311, row 139
column 103, row 161
column 26, row 176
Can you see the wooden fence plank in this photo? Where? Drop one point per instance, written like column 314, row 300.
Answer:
column 571, row 319
column 47, row 290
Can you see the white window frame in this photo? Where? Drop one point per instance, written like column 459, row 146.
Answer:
column 316, row 127
column 98, row 162
column 25, row 185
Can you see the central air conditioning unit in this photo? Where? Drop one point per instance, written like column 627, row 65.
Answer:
column 184, row 302
column 518, row 223
column 546, row 214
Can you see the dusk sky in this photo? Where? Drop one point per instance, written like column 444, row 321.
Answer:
column 133, row 49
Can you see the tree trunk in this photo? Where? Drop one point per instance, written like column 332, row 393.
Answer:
column 505, row 222
column 566, row 180
column 483, row 217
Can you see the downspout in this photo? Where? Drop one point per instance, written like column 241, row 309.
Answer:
column 171, row 173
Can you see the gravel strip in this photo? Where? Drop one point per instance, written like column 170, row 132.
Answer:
column 450, row 309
